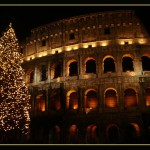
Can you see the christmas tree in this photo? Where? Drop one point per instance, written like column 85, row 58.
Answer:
column 14, row 94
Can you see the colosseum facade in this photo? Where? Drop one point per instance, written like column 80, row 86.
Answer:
column 89, row 79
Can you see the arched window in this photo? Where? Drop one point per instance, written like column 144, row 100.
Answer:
column 73, row 134
column 132, row 133
column 40, row 100
column 43, row 73
column 31, row 76
column 109, row 65
column 91, row 66
column 145, row 63
column 57, row 71
column 73, row 103
column 72, row 100
column 147, row 96
column 130, row 98
column 127, row 64
column 92, row 135
column 55, row 100
column 54, row 135
column 113, row 134
column 91, row 99
column 110, row 98
column 73, row 69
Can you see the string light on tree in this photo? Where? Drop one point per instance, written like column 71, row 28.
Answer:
column 14, row 95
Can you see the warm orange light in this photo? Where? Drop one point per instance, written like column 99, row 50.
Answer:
column 42, row 107
column 137, row 129
column 92, row 103
column 110, row 102
column 130, row 101
column 75, row 106
column 147, row 100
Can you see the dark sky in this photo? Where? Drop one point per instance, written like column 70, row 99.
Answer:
column 25, row 18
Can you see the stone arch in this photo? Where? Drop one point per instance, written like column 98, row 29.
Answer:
column 56, row 70
column 30, row 76
column 130, row 97
column 91, row 99
column 92, row 135
column 132, row 133
column 72, row 67
column 146, row 62
column 72, row 99
column 41, row 102
column 110, row 98
column 43, row 72
column 112, row 133
column 73, row 134
column 147, row 96
column 55, row 103
column 108, row 64
column 54, row 135
column 127, row 63
column 90, row 65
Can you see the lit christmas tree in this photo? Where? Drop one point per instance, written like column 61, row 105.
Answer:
column 14, row 95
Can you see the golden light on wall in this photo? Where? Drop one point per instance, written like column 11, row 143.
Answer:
column 42, row 54
column 92, row 103
column 93, row 44
column 75, row 46
column 147, row 96
column 130, row 101
column 110, row 102
column 68, row 66
column 104, row 43
column 137, row 128
column 110, row 98
column 40, row 102
column 91, row 99
column 130, row 97
column 142, row 41
column 125, row 41
column 68, row 48
column 132, row 73
column 72, row 100
column 85, row 45
column 28, row 59
column 75, row 106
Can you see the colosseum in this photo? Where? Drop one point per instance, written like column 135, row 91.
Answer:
column 89, row 79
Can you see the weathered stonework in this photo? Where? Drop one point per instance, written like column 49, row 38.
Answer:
column 95, row 37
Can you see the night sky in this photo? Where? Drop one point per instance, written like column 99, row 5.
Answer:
column 25, row 18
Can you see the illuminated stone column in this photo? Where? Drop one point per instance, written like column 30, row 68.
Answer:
column 35, row 74
column 100, row 65
column 137, row 64
column 80, row 99
column 120, row 94
column 118, row 63
column 64, row 68
column 80, row 65
column 48, row 72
